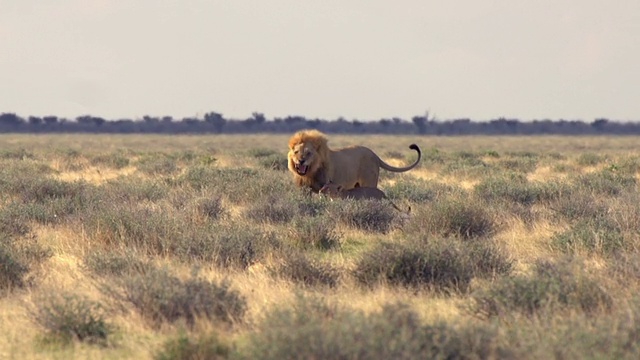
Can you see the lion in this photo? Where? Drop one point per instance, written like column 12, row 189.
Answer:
column 336, row 191
column 314, row 164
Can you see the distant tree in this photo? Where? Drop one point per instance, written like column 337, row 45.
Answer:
column 600, row 124
column 49, row 120
column 34, row 120
column 258, row 117
column 191, row 121
column 216, row 120
column 10, row 120
column 89, row 120
column 421, row 123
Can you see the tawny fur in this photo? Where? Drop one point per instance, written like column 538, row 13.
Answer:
column 335, row 191
column 353, row 166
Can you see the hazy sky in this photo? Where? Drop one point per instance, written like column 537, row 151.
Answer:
column 364, row 59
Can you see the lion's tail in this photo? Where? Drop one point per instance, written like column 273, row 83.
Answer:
column 388, row 167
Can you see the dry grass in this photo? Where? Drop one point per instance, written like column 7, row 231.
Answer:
column 452, row 168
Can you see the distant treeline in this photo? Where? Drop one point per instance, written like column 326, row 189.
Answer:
column 216, row 123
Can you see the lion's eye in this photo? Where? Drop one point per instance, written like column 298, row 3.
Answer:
column 295, row 152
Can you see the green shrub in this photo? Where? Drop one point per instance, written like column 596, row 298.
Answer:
column 512, row 188
column 627, row 165
column 308, row 204
column 201, row 177
column 151, row 230
column 589, row 159
column 13, row 220
column 314, row 232
column 115, row 264
column 16, row 259
column 487, row 259
column 466, row 164
column 310, row 329
column 114, row 160
column 239, row 185
column 273, row 210
column 211, row 207
column 468, row 219
column 419, row 191
column 185, row 347
column 554, row 285
column 132, row 189
column 71, row 317
column 606, row 182
column 274, row 162
column 14, row 175
column 580, row 206
column 521, row 164
column 599, row 235
column 157, row 165
column 491, row 154
column 301, row 269
column 16, row 154
column 261, row 152
column 162, row 297
column 369, row 215
column 233, row 245
column 12, row 269
column 432, row 265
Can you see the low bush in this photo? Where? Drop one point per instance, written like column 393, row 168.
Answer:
column 123, row 225
column 310, row 329
column 115, row 264
column 606, row 182
column 211, row 207
column 131, row 189
column 17, row 258
column 112, row 160
column 578, row 206
column 232, row 245
column 69, row 317
column 597, row 235
column 162, row 297
column 467, row 219
column 369, row 215
column 515, row 188
column 157, row 165
column 272, row 210
column 553, row 285
column 274, row 162
column 12, row 269
column 520, row 164
column 435, row 265
column 314, row 233
column 306, row 271
column 193, row 347
column 419, row 191
column 589, row 159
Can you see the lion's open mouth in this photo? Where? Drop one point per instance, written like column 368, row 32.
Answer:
column 301, row 168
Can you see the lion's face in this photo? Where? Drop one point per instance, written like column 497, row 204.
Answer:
column 303, row 159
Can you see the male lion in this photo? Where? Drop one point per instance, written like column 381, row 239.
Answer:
column 335, row 191
column 313, row 164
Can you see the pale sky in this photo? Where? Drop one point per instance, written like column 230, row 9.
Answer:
column 359, row 59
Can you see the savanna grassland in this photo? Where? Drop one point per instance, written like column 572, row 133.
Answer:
column 200, row 247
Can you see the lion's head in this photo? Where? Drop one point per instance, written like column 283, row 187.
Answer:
column 308, row 153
